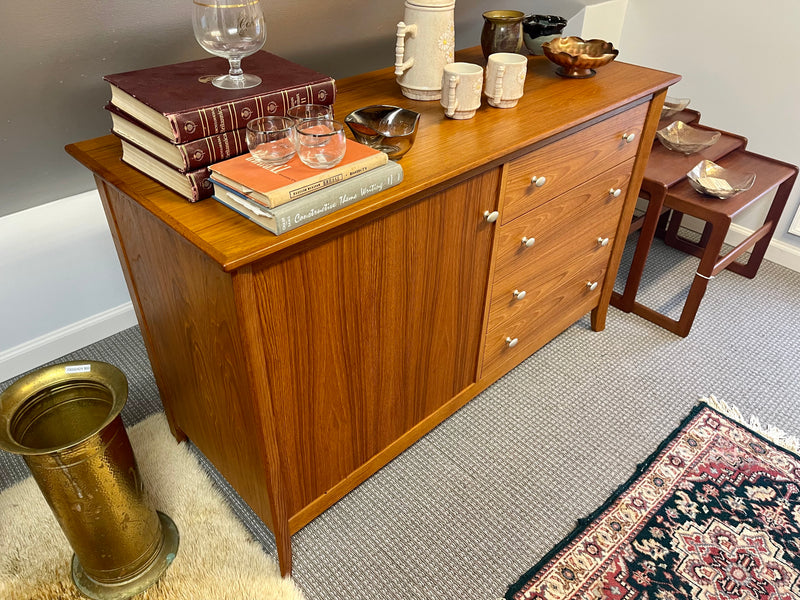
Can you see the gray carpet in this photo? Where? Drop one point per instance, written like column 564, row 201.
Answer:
column 474, row 504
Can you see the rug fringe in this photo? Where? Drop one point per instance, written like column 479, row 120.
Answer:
column 771, row 432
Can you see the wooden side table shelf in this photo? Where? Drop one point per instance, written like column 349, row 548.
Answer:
column 671, row 196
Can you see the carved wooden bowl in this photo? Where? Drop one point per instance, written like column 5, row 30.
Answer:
column 578, row 58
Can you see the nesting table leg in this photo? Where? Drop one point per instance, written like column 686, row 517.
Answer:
column 627, row 299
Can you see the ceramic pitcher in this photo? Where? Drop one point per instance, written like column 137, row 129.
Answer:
column 425, row 44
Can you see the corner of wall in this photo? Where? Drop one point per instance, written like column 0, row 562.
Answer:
column 604, row 21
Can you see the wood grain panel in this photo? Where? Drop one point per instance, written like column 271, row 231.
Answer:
column 570, row 161
column 187, row 313
column 570, row 224
column 555, row 305
column 368, row 334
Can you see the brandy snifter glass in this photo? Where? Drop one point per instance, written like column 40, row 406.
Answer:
column 232, row 29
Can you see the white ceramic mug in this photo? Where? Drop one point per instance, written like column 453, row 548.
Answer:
column 505, row 78
column 461, row 90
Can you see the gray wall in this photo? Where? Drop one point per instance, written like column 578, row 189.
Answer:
column 54, row 55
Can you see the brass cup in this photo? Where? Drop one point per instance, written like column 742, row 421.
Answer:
column 65, row 422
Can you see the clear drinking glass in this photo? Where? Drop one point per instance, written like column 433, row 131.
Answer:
column 321, row 143
column 271, row 139
column 310, row 111
column 232, row 29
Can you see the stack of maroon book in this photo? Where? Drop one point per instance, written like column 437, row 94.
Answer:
column 173, row 123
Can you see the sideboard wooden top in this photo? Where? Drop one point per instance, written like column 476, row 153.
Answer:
column 445, row 151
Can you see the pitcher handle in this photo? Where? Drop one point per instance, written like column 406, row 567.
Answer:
column 452, row 104
column 400, row 64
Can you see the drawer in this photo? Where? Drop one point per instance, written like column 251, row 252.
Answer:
column 541, row 278
column 563, row 228
column 570, row 161
column 559, row 302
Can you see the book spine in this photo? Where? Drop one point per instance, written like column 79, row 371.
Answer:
column 223, row 118
column 201, row 184
column 318, row 204
column 205, row 151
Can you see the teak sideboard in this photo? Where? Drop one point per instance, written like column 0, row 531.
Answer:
column 301, row 364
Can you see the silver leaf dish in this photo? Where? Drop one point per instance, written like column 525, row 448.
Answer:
column 709, row 178
column 680, row 137
column 672, row 106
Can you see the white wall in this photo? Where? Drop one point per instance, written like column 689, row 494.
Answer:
column 62, row 285
column 604, row 21
column 740, row 67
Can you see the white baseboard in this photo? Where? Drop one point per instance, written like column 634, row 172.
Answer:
column 63, row 286
column 56, row 344
column 778, row 251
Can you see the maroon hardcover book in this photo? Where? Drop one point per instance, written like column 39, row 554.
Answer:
column 184, row 157
column 179, row 102
column 192, row 185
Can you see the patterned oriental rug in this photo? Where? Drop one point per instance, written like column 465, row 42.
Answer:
column 713, row 514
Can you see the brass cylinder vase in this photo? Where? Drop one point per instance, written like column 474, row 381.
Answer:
column 65, row 422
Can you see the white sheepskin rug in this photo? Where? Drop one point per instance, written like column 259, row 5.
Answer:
column 217, row 558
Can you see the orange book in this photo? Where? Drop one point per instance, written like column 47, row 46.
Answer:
column 273, row 185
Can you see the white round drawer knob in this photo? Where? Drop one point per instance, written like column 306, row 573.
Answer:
column 591, row 285
column 519, row 295
column 614, row 193
column 528, row 242
column 538, row 181
column 601, row 241
column 491, row 217
column 511, row 342
column 629, row 137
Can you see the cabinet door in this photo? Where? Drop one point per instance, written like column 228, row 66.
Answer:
column 370, row 332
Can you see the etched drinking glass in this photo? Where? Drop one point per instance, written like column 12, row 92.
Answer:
column 232, row 29
column 300, row 112
column 271, row 139
column 321, row 143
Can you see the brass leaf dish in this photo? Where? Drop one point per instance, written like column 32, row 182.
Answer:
column 578, row 58
column 709, row 178
column 680, row 137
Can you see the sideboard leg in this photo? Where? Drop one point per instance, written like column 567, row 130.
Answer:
column 283, row 541
column 176, row 431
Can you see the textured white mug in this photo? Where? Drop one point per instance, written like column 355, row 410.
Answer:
column 461, row 90
column 505, row 78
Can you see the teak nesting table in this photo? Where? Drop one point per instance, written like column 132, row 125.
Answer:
column 303, row 363
column 670, row 197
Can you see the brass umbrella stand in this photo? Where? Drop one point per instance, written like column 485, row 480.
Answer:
column 65, row 422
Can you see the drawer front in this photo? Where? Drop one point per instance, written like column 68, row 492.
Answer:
column 559, row 302
column 562, row 229
column 550, row 171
